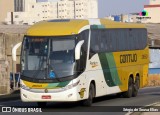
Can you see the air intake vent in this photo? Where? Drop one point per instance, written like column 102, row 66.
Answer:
column 66, row 20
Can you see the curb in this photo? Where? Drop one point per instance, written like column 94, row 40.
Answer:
column 13, row 96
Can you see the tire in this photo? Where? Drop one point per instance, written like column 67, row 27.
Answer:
column 135, row 87
column 41, row 104
column 138, row 82
column 88, row 102
column 128, row 93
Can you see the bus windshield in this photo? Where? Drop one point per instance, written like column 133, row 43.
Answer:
column 44, row 56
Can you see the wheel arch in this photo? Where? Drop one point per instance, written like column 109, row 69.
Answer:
column 131, row 76
column 94, row 83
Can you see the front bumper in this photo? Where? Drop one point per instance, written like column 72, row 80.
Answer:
column 64, row 96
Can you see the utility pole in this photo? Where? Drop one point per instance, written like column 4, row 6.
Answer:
column 13, row 74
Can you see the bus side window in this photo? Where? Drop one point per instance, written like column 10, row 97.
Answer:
column 82, row 62
column 95, row 43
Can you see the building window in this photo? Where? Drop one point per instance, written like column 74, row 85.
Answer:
column 32, row 6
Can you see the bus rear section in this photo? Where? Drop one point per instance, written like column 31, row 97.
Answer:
column 123, row 54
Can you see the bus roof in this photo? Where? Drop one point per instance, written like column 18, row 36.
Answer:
column 74, row 26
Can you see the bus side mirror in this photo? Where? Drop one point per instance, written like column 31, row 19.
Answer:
column 78, row 49
column 14, row 50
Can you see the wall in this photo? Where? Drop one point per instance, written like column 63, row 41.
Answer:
column 154, row 14
column 8, row 40
column 5, row 6
column 154, row 80
column 4, row 77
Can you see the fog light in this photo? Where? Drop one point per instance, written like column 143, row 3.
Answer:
column 70, row 95
column 24, row 95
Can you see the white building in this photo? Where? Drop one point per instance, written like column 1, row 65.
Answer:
column 38, row 10
column 153, row 2
column 153, row 10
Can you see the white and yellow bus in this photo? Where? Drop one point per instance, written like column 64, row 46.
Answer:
column 78, row 60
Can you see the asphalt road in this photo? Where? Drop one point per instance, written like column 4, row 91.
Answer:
column 109, row 103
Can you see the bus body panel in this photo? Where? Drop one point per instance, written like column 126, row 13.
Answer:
column 110, row 70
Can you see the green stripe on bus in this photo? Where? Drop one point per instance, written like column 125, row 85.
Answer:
column 97, row 26
column 105, row 68
column 60, row 84
column 109, row 69
column 113, row 68
column 63, row 84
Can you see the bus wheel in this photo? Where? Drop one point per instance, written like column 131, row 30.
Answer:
column 138, row 82
column 135, row 87
column 128, row 93
column 88, row 102
column 41, row 104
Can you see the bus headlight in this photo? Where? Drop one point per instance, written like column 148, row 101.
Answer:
column 24, row 87
column 71, row 86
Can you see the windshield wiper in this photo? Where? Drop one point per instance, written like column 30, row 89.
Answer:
column 37, row 72
column 48, row 64
column 57, row 78
column 41, row 48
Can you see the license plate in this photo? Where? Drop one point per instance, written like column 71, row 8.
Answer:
column 46, row 97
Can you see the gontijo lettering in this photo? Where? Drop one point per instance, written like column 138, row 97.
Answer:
column 127, row 58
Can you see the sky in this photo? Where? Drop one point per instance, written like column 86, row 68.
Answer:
column 115, row 7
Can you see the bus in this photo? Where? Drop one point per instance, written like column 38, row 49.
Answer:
column 79, row 59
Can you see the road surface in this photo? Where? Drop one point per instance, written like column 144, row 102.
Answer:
column 146, row 96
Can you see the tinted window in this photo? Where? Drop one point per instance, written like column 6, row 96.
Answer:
column 114, row 40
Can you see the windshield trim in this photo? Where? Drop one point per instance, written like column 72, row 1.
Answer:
column 34, row 79
column 67, row 78
column 72, row 36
